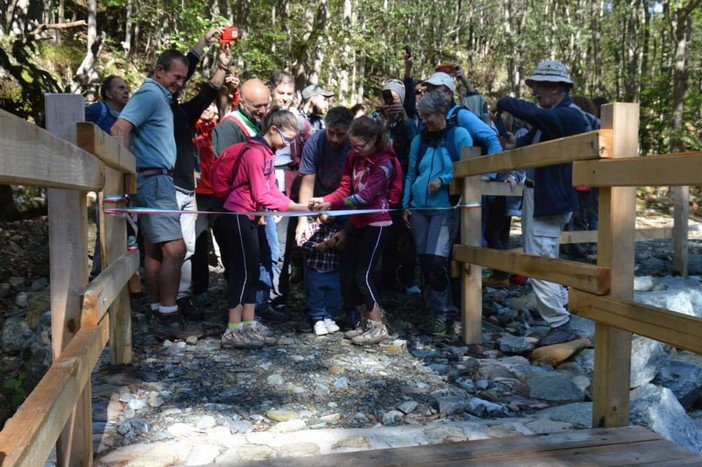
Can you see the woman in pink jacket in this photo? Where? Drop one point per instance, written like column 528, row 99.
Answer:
column 368, row 172
column 253, row 190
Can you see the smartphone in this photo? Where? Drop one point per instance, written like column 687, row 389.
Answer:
column 500, row 126
column 408, row 51
column 448, row 69
column 387, row 97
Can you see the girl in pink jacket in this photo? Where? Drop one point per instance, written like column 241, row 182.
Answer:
column 253, row 189
column 368, row 173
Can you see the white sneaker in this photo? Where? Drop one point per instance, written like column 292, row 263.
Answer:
column 331, row 325
column 320, row 328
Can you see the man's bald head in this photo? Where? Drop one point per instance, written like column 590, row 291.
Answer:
column 255, row 98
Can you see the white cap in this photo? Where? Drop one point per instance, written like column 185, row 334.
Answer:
column 441, row 79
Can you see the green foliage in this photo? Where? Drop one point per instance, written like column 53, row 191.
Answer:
column 15, row 388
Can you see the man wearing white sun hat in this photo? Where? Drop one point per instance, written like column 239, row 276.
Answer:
column 549, row 196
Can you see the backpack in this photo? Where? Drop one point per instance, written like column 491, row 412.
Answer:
column 396, row 183
column 591, row 122
column 225, row 166
column 452, row 122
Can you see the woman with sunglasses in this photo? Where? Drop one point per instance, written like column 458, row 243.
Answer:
column 369, row 172
column 253, row 189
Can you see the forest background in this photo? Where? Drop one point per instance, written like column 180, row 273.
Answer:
column 641, row 51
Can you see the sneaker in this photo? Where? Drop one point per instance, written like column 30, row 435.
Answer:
column 563, row 333
column 256, row 333
column 413, row 290
column 360, row 328
column 377, row 332
column 436, row 326
column 239, row 339
column 188, row 310
column 269, row 313
column 320, row 328
column 496, row 282
column 262, row 329
column 331, row 325
column 173, row 326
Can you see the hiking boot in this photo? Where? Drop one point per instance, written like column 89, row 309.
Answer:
column 238, row 339
column 304, row 326
column 361, row 327
column 436, row 326
column 270, row 313
column 320, row 328
column 496, row 282
column 376, row 332
column 262, row 329
column 188, row 310
column 256, row 333
column 563, row 333
column 173, row 326
column 331, row 325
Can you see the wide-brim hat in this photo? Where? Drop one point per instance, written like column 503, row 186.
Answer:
column 550, row 71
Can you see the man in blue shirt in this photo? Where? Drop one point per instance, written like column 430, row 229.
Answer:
column 549, row 195
column 146, row 128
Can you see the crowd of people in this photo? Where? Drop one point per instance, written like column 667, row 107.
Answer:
column 344, row 200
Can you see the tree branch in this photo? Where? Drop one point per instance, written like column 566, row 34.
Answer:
column 44, row 26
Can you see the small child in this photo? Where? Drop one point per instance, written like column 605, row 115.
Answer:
column 322, row 280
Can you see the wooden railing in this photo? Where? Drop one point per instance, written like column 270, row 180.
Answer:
column 84, row 317
column 607, row 159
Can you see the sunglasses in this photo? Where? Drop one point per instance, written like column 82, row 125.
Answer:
column 286, row 139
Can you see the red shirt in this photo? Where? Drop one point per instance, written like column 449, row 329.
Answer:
column 203, row 141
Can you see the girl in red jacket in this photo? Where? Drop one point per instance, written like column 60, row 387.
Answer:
column 253, row 189
column 368, row 172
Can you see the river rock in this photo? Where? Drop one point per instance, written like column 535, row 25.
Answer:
column 14, row 336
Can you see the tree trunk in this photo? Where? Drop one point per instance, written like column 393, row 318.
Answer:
column 86, row 71
column 127, row 44
column 346, row 53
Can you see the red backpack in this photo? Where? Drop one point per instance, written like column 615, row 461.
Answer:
column 225, row 166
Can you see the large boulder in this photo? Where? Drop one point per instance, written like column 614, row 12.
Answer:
column 658, row 409
column 683, row 376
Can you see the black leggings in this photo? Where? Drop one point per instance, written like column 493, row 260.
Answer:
column 244, row 253
column 363, row 249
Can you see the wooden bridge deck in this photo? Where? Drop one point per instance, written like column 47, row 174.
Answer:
column 593, row 447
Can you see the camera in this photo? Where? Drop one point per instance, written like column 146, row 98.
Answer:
column 229, row 35
column 387, row 97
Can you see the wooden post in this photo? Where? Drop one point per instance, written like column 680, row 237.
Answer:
column 681, row 195
column 68, row 256
column 115, row 238
column 472, row 276
column 615, row 249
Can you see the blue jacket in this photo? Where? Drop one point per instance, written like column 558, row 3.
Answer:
column 435, row 163
column 553, row 185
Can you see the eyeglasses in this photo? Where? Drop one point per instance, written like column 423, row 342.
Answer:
column 286, row 139
column 359, row 147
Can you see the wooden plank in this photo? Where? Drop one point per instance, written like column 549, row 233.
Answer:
column 615, row 250
column 30, row 155
column 573, row 148
column 583, row 276
column 472, row 277
column 28, row 437
column 116, row 246
column 654, row 170
column 628, row 444
column 107, row 148
column 68, row 258
column 103, row 291
column 676, row 329
column 681, row 214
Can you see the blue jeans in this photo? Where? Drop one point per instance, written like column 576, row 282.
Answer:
column 323, row 290
column 269, row 268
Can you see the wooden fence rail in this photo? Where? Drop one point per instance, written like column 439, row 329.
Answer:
column 84, row 317
column 607, row 159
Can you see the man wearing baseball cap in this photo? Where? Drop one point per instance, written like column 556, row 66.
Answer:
column 460, row 116
column 315, row 103
column 549, row 195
